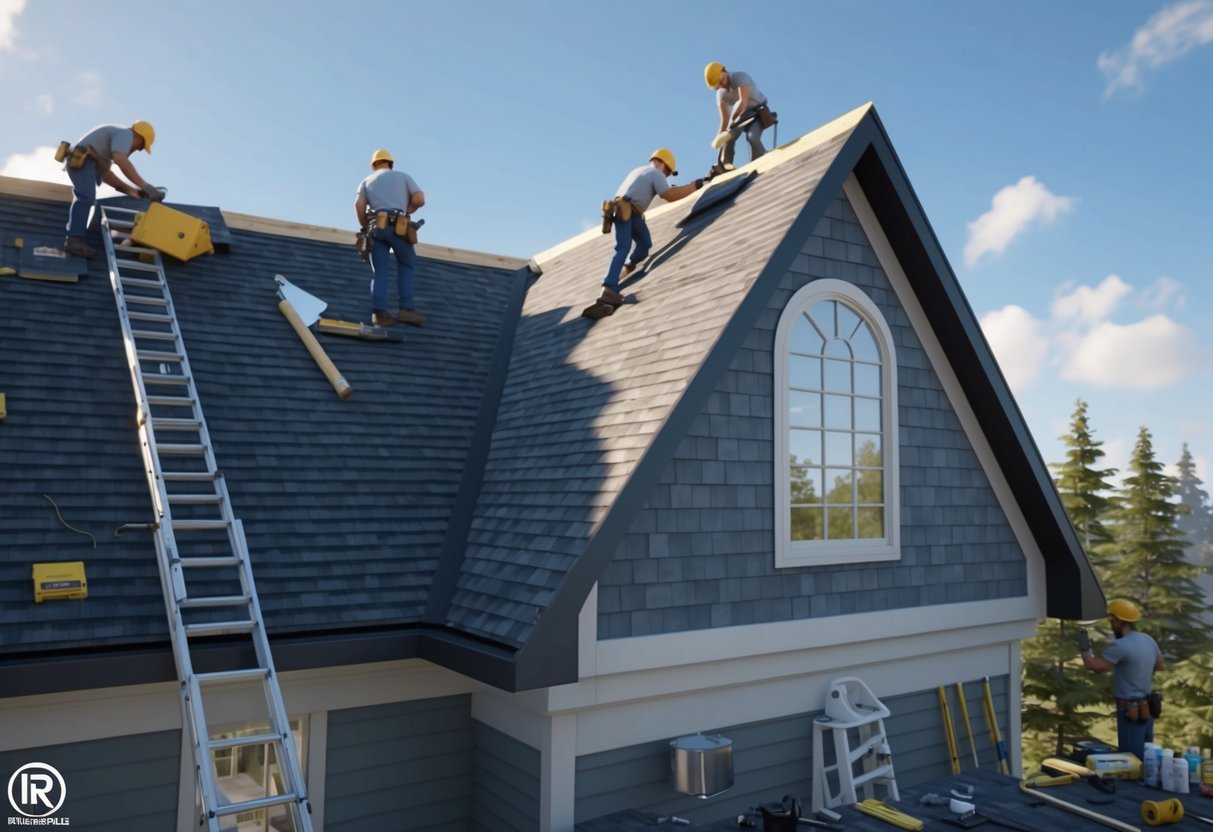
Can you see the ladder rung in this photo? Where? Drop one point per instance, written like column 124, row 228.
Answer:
column 155, row 336
column 215, row 601
column 166, row 423
column 198, row 526
column 243, row 742
column 133, row 250
column 149, row 316
column 227, row 560
column 138, row 265
column 157, row 355
column 195, row 499
column 164, row 378
column 221, row 676
column 188, row 476
column 151, row 301
column 220, row 628
column 116, row 223
column 181, row 450
column 259, row 803
column 141, row 283
column 171, row 401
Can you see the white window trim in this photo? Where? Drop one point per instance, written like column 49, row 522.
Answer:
column 789, row 553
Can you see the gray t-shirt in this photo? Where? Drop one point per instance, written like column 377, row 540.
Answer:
column 105, row 141
column 642, row 185
column 1134, row 657
column 388, row 190
column 737, row 80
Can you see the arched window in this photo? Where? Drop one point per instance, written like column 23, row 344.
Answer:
column 835, row 429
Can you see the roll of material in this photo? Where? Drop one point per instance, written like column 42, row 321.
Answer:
column 1162, row 812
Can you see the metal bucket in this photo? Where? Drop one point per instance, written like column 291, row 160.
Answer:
column 701, row 766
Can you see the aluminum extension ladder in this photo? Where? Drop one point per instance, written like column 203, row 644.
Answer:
column 197, row 534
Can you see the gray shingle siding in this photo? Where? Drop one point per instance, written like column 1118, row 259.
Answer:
column 774, row 757
column 700, row 553
column 123, row 784
column 505, row 794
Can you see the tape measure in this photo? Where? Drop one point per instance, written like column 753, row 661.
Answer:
column 1158, row 813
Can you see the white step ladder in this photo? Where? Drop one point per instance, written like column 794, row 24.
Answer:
column 852, row 709
column 196, row 532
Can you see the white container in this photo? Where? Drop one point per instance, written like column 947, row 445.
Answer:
column 1150, row 764
column 1166, row 770
column 1179, row 776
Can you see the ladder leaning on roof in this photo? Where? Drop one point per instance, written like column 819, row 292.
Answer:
column 196, row 533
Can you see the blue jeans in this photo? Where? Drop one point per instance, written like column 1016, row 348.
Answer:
column 633, row 230
column 384, row 241
column 1133, row 736
column 84, row 195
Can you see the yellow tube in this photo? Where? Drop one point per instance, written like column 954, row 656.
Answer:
column 344, row 391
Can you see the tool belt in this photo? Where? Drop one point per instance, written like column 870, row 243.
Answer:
column 765, row 117
column 400, row 222
column 1141, row 710
column 75, row 156
column 362, row 244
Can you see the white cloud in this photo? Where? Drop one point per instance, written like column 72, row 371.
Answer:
column 39, row 164
column 1089, row 305
column 1167, row 36
column 1146, row 355
column 1013, row 209
column 9, row 10
column 1166, row 291
column 1019, row 343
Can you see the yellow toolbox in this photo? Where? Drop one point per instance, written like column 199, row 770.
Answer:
column 172, row 232
column 59, row 580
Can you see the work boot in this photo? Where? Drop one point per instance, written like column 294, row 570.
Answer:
column 611, row 297
column 381, row 318
column 76, row 247
column 410, row 317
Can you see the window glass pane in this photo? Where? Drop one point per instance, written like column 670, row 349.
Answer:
column 805, row 339
column 804, row 446
column 867, row 414
column 804, row 409
column 867, row 450
column 838, row 449
column 871, row 522
column 822, row 314
column 806, row 485
column 839, row 481
column 864, row 345
column 837, row 348
column 807, row 524
column 867, row 379
column 804, row 372
column 847, row 321
column 837, row 375
column 839, row 525
column 838, row 412
column 870, row 486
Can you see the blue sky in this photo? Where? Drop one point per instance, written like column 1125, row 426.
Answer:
column 1061, row 150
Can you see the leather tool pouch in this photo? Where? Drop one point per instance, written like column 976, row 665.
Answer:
column 402, row 226
column 765, row 117
column 62, row 150
column 78, row 157
column 381, row 220
column 625, row 209
column 362, row 244
column 1155, row 704
column 608, row 215
column 410, row 229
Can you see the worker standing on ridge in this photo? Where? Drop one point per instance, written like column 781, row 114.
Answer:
column 738, row 99
column 90, row 163
column 385, row 205
column 632, row 199
column 1132, row 659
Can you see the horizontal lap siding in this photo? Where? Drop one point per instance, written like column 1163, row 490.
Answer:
column 505, row 795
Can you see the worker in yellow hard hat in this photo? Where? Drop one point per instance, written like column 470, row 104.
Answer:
column 1132, row 659
column 90, row 163
column 632, row 199
column 386, row 202
column 742, row 107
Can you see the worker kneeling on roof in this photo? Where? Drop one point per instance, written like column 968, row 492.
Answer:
column 742, row 107
column 386, row 202
column 1132, row 659
column 632, row 199
column 90, row 162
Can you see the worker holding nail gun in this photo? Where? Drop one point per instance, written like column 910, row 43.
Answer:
column 1132, row 659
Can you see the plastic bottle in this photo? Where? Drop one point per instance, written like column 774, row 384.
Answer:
column 1193, row 759
column 1206, row 775
column 1180, row 778
column 1166, row 770
column 1150, row 764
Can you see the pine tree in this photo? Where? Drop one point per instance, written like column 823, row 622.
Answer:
column 1197, row 523
column 1145, row 558
column 1059, row 694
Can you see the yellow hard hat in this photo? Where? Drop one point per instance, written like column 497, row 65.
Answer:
column 711, row 74
column 147, row 132
column 381, row 155
column 1123, row 609
column 664, row 154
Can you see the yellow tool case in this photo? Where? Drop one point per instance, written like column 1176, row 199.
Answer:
column 172, row 232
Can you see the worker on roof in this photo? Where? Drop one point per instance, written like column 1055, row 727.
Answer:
column 743, row 108
column 632, row 199
column 1132, row 659
column 91, row 162
column 387, row 200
